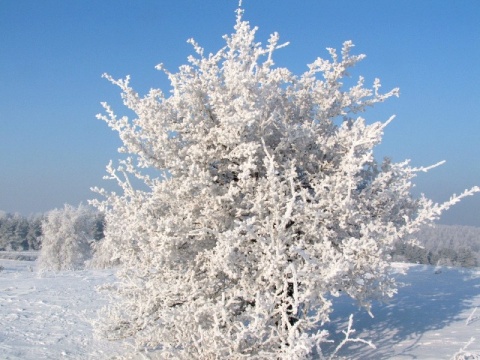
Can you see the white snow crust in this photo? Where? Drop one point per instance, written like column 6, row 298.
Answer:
column 48, row 316
column 432, row 317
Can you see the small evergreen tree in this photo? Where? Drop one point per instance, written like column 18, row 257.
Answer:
column 268, row 201
column 18, row 233
column 21, row 233
column 34, row 232
column 9, row 239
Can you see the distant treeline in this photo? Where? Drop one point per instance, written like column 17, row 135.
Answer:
column 449, row 245
column 20, row 233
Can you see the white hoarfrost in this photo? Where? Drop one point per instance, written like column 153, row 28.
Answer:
column 67, row 237
column 261, row 202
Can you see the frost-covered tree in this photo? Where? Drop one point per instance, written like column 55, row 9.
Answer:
column 34, row 232
column 67, row 237
column 105, row 254
column 261, row 201
column 19, row 233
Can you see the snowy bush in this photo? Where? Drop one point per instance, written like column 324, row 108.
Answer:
column 104, row 255
column 261, row 199
column 67, row 237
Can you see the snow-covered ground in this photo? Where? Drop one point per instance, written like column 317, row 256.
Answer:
column 427, row 319
column 48, row 317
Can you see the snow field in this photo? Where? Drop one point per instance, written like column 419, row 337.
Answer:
column 432, row 317
column 48, row 316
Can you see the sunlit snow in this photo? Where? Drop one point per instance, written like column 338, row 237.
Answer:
column 48, row 316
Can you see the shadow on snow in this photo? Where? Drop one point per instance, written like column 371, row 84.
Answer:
column 432, row 301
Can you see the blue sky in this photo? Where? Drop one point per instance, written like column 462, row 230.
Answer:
column 53, row 52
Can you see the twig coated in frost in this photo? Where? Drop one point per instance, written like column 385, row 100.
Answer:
column 347, row 338
column 471, row 318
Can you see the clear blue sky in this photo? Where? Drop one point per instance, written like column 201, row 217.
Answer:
column 53, row 52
